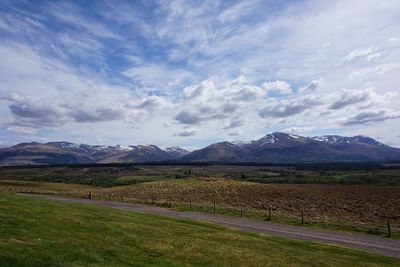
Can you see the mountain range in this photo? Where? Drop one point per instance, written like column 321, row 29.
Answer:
column 34, row 153
column 273, row 148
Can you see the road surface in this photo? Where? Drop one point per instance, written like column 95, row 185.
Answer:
column 376, row 244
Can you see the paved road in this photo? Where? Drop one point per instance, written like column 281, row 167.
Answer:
column 369, row 243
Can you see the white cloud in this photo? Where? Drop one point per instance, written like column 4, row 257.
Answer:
column 45, row 93
column 312, row 86
column 158, row 75
column 248, row 93
column 70, row 13
column 237, row 11
column 281, row 87
column 375, row 71
column 373, row 57
column 299, row 129
column 203, row 63
column 154, row 102
column 234, row 133
column 202, row 90
column 22, row 130
column 360, row 52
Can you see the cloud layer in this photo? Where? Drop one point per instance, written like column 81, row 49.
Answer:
column 194, row 72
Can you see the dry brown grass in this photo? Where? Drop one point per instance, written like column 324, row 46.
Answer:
column 366, row 206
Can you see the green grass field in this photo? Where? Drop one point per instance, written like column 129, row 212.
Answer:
column 36, row 232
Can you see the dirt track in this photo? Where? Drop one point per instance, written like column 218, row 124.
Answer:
column 385, row 246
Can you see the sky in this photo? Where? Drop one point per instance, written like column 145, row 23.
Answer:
column 191, row 73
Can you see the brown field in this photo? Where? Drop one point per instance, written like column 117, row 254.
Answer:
column 366, row 207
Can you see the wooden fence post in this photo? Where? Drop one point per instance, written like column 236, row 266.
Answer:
column 190, row 204
column 388, row 228
column 269, row 213
column 241, row 210
column 302, row 217
column 214, row 206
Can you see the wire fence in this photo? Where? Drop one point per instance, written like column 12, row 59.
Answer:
column 386, row 225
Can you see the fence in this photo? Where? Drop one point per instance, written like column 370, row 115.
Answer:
column 388, row 225
column 270, row 213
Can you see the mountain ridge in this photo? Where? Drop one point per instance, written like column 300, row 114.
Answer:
column 275, row 147
column 280, row 147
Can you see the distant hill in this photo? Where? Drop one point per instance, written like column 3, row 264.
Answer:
column 273, row 148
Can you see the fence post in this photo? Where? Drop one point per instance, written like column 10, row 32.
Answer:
column 269, row 214
column 388, row 228
column 241, row 210
column 190, row 204
column 302, row 217
column 170, row 203
column 214, row 206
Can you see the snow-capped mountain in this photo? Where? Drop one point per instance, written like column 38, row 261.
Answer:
column 273, row 148
column 70, row 153
column 337, row 139
column 288, row 148
column 176, row 151
column 65, row 145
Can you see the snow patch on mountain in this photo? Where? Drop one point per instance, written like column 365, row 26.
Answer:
column 241, row 143
column 268, row 139
column 124, row 148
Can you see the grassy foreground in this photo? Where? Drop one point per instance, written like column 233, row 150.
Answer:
column 36, row 232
